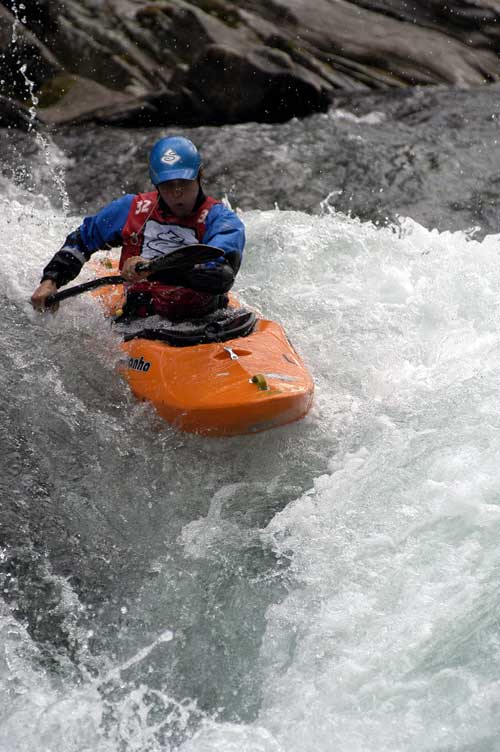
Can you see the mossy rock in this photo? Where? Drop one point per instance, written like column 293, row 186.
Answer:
column 219, row 10
column 55, row 89
column 150, row 13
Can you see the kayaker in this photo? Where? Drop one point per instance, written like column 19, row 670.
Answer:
column 148, row 225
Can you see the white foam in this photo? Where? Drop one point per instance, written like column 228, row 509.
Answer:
column 387, row 637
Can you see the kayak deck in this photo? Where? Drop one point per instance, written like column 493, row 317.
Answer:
column 215, row 389
column 220, row 388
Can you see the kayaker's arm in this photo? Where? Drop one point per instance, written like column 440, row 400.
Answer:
column 225, row 231
column 103, row 230
column 129, row 272
column 214, row 277
column 45, row 290
column 66, row 264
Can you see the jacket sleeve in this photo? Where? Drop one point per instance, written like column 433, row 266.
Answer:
column 224, row 230
column 103, row 230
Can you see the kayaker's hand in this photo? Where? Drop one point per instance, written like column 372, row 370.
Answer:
column 128, row 271
column 44, row 290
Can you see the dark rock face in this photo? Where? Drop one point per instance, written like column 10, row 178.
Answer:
column 270, row 82
column 13, row 114
column 25, row 61
column 175, row 62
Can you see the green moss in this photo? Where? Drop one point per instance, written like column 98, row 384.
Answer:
column 219, row 10
column 150, row 12
column 55, row 89
column 288, row 45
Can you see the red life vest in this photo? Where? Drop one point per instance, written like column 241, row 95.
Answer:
column 149, row 231
column 146, row 214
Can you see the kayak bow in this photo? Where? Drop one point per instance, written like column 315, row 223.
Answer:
column 222, row 387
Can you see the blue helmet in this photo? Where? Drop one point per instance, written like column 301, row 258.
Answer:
column 172, row 158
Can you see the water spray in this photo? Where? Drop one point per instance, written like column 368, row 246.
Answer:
column 49, row 149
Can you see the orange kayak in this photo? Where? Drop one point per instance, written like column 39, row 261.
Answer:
column 236, row 386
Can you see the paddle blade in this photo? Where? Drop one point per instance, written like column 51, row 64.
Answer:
column 181, row 259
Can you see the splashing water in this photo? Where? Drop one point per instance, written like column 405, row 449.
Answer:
column 54, row 160
column 326, row 586
column 30, row 85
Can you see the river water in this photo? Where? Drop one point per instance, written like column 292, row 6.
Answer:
column 328, row 586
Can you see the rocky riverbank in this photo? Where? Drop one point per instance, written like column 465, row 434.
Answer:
column 373, row 138
column 430, row 154
column 174, row 62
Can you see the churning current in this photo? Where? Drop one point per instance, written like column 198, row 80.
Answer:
column 328, row 586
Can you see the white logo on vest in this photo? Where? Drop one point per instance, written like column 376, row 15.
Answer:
column 160, row 239
column 170, row 157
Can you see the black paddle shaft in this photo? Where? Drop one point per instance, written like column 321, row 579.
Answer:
column 181, row 260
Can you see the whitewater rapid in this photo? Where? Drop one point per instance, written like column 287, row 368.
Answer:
column 330, row 586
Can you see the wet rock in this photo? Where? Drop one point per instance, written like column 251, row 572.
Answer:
column 80, row 100
column 272, row 84
column 39, row 16
column 25, row 62
column 13, row 114
column 461, row 18
column 430, row 154
column 224, row 61
column 343, row 34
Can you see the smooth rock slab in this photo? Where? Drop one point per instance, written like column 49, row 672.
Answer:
column 223, row 61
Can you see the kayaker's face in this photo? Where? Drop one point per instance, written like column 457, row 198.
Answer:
column 180, row 195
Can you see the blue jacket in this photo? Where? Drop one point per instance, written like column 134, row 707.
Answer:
column 223, row 229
